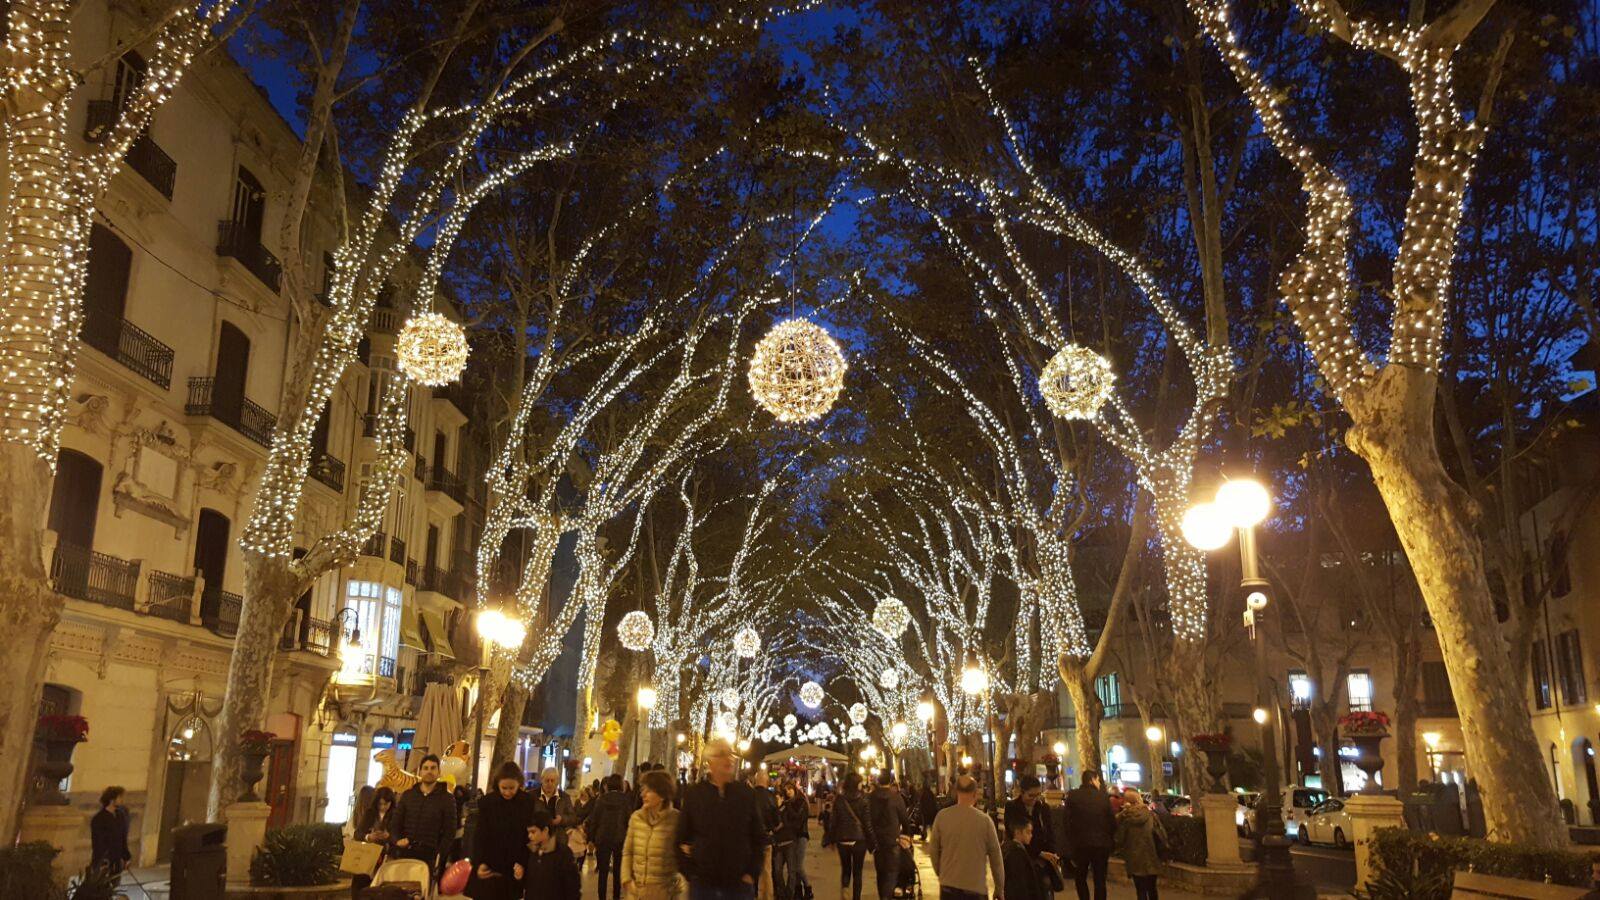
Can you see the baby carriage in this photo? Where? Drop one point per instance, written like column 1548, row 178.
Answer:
column 411, row 879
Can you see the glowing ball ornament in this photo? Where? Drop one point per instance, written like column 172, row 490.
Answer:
column 432, row 349
column 890, row 618
column 636, row 631
column 858, row 713
column 797, row 371
column 889, row 679
column 747, row 643
column 1076, row 382
column 789, row 722
column 857, row 733
column 730, row 698
column 811, row 694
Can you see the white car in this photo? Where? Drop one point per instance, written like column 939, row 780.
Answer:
column 1297, row 802
column 1244, row 816
column 1327, row 824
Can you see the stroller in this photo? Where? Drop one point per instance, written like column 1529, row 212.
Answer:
column 401, row 879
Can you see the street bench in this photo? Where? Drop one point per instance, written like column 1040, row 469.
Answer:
column 1473, row 885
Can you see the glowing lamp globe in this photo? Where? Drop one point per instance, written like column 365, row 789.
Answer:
column 1243, row 502
column 747, row 643
column 925, row 711
column 636, row 631
column 432, row 350
column 898, row 730
column 889, row 679
column 811, row 694
column 647, row 697
column 890, row 618
column 1076, row 382
column 858, row 713
column 789, row 722
column 974, row 680
column 1205, row 527
column 797, row 371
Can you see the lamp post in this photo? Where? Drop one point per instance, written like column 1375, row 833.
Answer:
column 1240, row 505
column 925, row 713
column 496, row 630
column 647, row 702
column 974, row 682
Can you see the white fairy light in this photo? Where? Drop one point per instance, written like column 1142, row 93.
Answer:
column 797, row 371
column 636, row 631
column 858, row 713
column 811, row 694
column 432, row 350
column 747, row 643
column 1076, row 383
column 730, row 698
column 890, row 618
column 889, row 679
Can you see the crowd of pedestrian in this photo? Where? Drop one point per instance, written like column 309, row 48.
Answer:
column 723, row 837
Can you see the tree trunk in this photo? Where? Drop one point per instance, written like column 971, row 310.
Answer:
column 270, row 591
column 1325, row 727
column 514, row 701
column 1407, row 672
column 1194, row 704
column 1434, row 519
column 1087, row 711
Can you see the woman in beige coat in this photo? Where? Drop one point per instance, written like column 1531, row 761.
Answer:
column 650, row 853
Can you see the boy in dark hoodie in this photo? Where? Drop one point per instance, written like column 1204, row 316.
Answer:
column 551, row 872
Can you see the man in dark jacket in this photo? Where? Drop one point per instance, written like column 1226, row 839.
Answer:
column 720, row 833
column 425, row 816
column 1029, row 804
column 556, row 802
column 1093, row 827
column 108, row 832
column 889, row 821
column 607, row 827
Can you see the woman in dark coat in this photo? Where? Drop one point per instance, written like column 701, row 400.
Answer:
column 499, row 841
column 848, row 830
column 108, row 832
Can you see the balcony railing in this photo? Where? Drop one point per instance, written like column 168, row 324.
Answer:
column 219, row 611
column 375, row 545
column 1438, row 709
column 246, row 416
column 385, row 667
column 130, row 345
column 397, row 551
column 171, row 596
column 82, row 573
column 369, row 428
column 329, row 470
column 387, row 320
column 446, row 482
column 235, row 241
column 145, row 156
column 442, row 581
column 316, row 635
column 411, row 572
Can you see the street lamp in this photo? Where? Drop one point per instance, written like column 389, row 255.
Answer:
column 925, row 714
column 974, row 680
column 1240, row 505
column 497, row 631
column 647, row 701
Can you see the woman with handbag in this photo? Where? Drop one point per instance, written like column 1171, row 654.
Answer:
column 649, row 852
column 499, row 840
column 847, row 830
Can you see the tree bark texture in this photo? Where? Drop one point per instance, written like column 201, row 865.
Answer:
column 1407, row 672
column 514, row 701
column 1087, row 711
column 1194, row 703
column 1434, row 519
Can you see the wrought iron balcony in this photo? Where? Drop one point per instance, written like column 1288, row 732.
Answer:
column 129, row 345
column 386, row 667
column 246, row 417
column 442, row 581
column 220, row 611
column 397, row 551
column 386, row 320
column 375, row 545
column 237, row 242
column 144, row 156
column 171, row 596
column 411, row 572
column 96, row 577
column 329, row 470
column 448, row 483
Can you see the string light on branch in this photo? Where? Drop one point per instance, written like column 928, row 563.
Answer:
column 636, row 631
column 890, row 618
column 432, row 349
column 811, row 694
column 730, row 698
column 889, row 680
column 747, row 643
column 797, row 371
column 1077, row 382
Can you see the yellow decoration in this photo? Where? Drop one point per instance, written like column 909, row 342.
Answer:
column 432, row 349
column 797, row 371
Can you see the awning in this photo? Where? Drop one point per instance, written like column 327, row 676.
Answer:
column 435, row 635
column 411, row 628
column 807, row 751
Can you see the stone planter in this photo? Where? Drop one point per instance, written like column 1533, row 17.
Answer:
column 339, row 890
column 250, row 772
column 1369, row 759
column 1051, row 771
column 1216, row 767
column 52, row 769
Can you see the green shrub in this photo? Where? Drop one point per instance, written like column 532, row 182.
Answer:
column 1430, row 857
column 298, row 856
column 25, row 873
column 95, row 883
column 1186, row 839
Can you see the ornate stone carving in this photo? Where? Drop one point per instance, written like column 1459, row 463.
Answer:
column 88, row 411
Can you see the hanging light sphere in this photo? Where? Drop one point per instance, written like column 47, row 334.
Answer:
column 857, row 733
column 747, row 643
column 797, row 371
column 432, row 349
column 789, row 722
column 858, row 713
column 811, row 694
column 636, row 631
column 1076, row 382
column 890, row 618
column 889, row 680
column 730, row 698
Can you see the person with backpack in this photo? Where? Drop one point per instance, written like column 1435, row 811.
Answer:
column 847, row 830
column 889, row 822
column 607, row 827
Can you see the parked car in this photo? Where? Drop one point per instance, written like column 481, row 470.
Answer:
column 1173, row 804
column 1242, row 817
column 1297, row 803
column 1326, row 824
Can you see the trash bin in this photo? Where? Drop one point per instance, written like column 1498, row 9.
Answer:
column 199, row 861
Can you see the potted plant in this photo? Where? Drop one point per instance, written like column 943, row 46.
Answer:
column 1367, row 730
column 1215, row 746
column 1052, row 766
column 60, row 735
column 254, row 746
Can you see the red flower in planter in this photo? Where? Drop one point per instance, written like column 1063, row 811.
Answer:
column 254, row 741
column 63, row 728
column 1215, row 741
column 1050, row 759
column 1364, row 723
